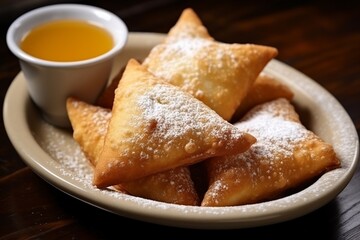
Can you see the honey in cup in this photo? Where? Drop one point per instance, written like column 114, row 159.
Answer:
column 77, row 29
column 67, row 40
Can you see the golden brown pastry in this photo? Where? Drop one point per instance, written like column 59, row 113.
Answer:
column 155, row 126
column 264, row 89
column 285, row 156
column 90, row 124
column 171, row 186
column 218, row 74
column 188, row 25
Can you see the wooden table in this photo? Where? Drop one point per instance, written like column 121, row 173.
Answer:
column 318, row 38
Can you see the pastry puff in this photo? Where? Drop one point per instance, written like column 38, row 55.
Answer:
column 285, row 156
column 218, row 74
column 90, row 124
column 264, row 89
column 155, row 126
column 188, row 25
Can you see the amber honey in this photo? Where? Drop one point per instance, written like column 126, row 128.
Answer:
column 67, row 40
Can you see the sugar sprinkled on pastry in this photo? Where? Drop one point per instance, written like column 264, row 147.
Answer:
column 285, row 156
column 90, row 124
column 155, row 126
column 219, row 74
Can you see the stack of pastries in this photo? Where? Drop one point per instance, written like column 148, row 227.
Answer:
column 197, row 122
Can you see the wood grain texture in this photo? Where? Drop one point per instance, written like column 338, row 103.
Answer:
column 319, row 38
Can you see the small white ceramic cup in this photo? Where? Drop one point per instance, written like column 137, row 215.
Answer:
column 50, row 83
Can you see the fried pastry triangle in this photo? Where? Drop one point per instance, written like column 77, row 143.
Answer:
column 171, row 186
column 285, row 155
column 90, row 124
column 264, row 89
column 155, row 126
column 188, row 25
column 218, row 74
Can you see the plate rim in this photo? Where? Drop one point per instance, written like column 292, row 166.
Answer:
column 15, row 109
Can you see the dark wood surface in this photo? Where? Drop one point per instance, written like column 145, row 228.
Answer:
column 319, row 38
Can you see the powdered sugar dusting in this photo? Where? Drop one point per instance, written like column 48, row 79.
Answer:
column 100, row 117
column 271, row 161
column 187, row 59
column 274, row 135
column 176, row 114
column 61, row 147
column 101, row 120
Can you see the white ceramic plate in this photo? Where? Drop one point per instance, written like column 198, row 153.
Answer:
column 53, row 154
